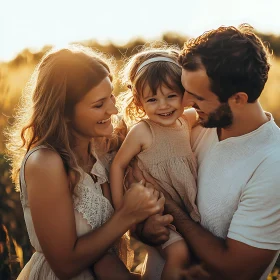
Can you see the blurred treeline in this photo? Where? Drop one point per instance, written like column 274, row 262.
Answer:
column 13, row 77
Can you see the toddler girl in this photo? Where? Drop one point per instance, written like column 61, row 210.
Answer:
column 160, row 139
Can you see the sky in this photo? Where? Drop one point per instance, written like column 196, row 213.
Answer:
column 36, row 23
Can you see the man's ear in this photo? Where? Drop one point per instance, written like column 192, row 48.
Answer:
column 239, row 99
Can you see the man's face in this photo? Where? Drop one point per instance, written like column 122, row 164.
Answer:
column 211, row 112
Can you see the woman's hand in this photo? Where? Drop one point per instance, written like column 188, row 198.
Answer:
column 140, row 202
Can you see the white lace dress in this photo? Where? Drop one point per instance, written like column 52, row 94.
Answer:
column 91, row 209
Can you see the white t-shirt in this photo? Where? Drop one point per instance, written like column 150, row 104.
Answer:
column 239, row 186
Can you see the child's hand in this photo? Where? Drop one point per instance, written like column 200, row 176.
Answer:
column 152, row 182
column 135, row 174
column 155, row 229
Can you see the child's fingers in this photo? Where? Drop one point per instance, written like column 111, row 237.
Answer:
column 142, row 182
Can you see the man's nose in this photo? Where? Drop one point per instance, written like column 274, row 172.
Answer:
column 187, row 100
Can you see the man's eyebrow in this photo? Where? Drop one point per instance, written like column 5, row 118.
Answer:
column 193, row 94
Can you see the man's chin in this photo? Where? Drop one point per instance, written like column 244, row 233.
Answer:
column 215, row 124
column 204, row 123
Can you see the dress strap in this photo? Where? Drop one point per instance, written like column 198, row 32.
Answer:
column 151, row 126
column 22, row 183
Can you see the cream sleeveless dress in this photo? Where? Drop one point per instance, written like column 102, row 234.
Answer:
column 172, row 163
column 91, row 210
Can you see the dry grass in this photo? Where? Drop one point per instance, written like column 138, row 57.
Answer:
column 13, row 80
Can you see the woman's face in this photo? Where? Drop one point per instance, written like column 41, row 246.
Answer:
column 92, row 115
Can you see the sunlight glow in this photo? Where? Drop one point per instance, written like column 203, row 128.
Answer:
column 35, row 23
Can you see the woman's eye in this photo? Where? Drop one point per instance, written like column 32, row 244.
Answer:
column 151, row 100
column 98, row 105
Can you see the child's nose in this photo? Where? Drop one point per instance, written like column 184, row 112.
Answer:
column 163, row 104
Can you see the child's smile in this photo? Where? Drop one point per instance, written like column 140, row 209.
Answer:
column 163, row 108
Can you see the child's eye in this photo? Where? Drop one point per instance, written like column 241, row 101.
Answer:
column 172, row 95
column 151, row 100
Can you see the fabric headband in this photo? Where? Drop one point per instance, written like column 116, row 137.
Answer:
column 155, row 59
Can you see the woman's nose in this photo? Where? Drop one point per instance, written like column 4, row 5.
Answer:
column 112, row 109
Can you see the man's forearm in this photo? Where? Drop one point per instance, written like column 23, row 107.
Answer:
column 222, row 261
column 204, row 244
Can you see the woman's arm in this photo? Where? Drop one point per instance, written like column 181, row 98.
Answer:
column 134, row 142
column 52, row 213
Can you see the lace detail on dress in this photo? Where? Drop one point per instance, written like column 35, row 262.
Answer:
column 99, row 171
column 90, row 202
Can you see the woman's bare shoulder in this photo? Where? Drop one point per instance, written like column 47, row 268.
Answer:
column 44, row 160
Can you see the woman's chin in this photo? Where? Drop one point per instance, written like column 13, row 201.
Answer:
column 107, row 132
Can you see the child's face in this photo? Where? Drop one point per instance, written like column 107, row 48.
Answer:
column 163, row 108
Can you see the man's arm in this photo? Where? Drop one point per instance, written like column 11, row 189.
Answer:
column 225, row 259
column 253, row 238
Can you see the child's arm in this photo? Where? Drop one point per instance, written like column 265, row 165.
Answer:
column 138, row 139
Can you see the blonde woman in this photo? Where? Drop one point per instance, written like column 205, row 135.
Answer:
column 71, row 224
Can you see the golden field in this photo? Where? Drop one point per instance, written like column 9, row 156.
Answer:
column 13, row 78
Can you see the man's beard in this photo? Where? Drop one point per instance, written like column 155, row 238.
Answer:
column 221, row 118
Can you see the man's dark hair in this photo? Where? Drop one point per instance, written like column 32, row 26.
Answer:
column 235, row 60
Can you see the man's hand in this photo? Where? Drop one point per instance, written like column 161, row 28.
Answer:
column 155, row 231
column 195, row 272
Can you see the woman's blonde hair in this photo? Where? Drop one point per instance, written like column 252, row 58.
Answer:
column 60, row 80
column 154, row 75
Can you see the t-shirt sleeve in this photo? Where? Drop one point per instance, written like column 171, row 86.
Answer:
column 256, row 221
